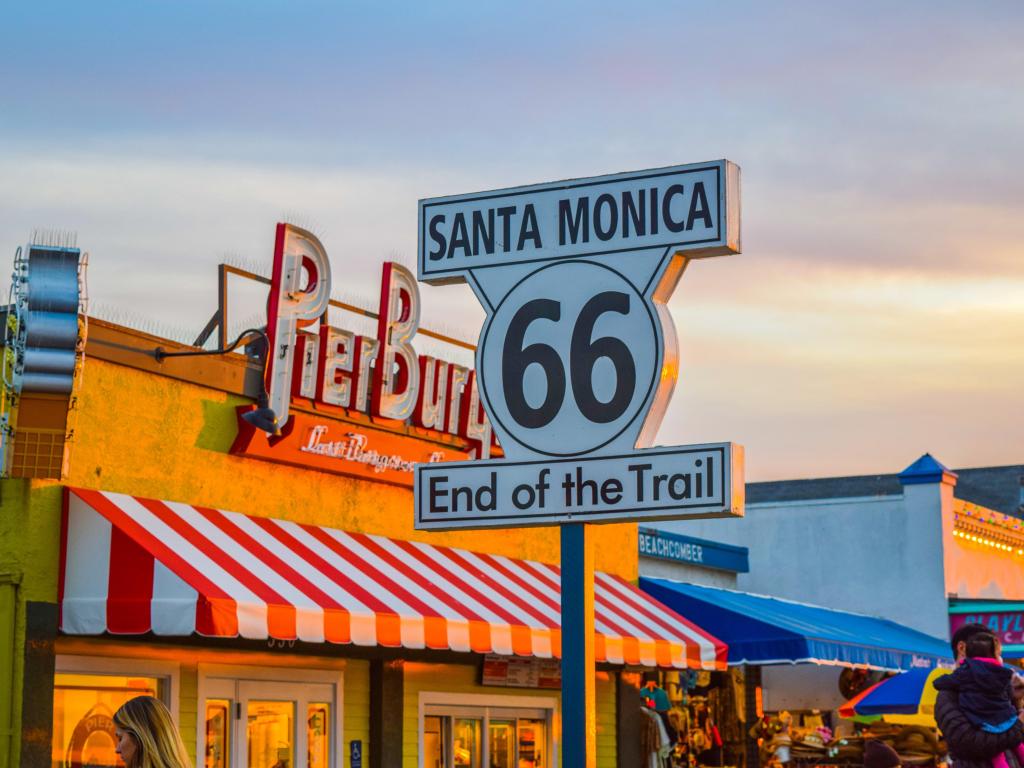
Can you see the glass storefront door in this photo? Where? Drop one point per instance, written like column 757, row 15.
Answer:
column 268, row 724
column 269, row 733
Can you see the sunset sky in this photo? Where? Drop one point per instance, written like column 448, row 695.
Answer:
column 877, row 311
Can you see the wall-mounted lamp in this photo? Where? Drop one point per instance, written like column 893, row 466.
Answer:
column 263, row 417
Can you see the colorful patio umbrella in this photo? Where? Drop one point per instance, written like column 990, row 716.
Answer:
column 908, row 698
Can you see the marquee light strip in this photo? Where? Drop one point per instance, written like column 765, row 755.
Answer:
column 968, row 534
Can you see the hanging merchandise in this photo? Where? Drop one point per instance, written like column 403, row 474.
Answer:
column 655, row 745
column 702, row 717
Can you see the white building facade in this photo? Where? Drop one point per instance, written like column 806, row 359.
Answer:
column 899, row 547
column 919, row 548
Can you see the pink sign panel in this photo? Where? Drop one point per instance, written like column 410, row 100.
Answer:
column 1008, row 626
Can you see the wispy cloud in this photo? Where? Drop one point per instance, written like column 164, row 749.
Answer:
column 878, row 309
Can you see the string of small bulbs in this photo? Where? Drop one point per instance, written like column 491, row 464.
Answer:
column 985, row 541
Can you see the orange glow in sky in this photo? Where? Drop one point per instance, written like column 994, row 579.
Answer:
column 877, row 311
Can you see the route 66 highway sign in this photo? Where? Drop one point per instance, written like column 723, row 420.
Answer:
column 578, row 358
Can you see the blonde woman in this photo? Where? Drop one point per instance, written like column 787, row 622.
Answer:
column 146, row 736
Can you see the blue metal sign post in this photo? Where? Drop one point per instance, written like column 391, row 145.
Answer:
column 579, row 712
column 576, row 363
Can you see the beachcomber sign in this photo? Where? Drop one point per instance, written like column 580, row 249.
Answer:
column 692, row 551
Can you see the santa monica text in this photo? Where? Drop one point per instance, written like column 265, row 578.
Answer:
column 681, row 207
column 631, row 214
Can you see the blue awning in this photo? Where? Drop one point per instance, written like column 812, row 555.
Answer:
column 767, row 630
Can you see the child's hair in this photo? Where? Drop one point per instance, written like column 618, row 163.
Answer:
column 982, row 644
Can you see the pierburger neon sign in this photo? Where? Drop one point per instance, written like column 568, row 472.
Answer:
column 380, row 376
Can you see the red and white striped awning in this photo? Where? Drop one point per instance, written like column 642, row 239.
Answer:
column 131, row 566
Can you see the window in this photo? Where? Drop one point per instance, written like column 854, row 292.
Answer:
column 458, row 736
column 87, row 692
column 530, row 743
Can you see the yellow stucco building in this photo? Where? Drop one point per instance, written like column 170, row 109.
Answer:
column 158, row 509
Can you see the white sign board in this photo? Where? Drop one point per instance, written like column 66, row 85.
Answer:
column 695, row 207
column 657, row 483
column 577, row 359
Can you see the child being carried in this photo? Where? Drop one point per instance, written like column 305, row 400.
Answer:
column 987, row 691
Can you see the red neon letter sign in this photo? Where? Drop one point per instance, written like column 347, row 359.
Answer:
column 292, row 306
column 397, row 375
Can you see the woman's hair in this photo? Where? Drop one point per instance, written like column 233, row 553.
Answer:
column 149, row 721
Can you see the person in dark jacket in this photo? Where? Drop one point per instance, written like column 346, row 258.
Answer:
column 985, row 691
column 969, row 746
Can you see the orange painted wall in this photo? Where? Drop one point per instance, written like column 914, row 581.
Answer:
column 158, row 437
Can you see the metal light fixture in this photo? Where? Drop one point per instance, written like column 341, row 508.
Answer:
column 263, row 417
column 44, row 329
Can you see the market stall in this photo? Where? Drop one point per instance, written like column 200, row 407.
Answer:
column 790, row 657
